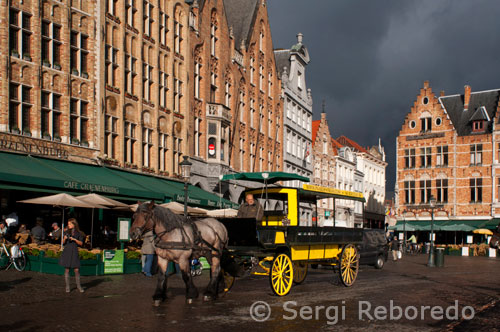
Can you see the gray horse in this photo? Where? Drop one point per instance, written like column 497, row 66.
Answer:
column 181, row 241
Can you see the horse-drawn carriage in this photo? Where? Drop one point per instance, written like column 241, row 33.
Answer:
column 286, row 241
column 280, row 246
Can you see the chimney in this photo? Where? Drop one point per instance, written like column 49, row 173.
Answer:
column 466, row 97
column 426, row 84
column 441, row 94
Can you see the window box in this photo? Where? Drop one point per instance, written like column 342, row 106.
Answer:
column 46, row 135
column 75, row 141
column 74, row 71
column 46, row 63
column 15, row 53
column 57, row 138
column 164, row 173
column 57, row 66
column 85, row 144
column 27, row 132
column 15, row 130
column 130, row 165
column 85, row 75
column 26, row 57
column 148, row 169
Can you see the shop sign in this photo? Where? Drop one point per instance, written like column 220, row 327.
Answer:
column 32, row 146
column 90, row 187
column 113, row 261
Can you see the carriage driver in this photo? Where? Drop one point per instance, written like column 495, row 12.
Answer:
column 250, row 209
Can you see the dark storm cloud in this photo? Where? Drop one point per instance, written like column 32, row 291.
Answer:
column 369, row 58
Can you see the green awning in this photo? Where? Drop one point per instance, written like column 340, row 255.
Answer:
column 441, row 225
column 30, row 173
column 269, row 177
column 490, row 224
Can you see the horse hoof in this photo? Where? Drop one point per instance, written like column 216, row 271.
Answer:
column 189, row 301
column 156, row 303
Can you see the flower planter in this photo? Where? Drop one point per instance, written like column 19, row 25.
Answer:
column 132, row 266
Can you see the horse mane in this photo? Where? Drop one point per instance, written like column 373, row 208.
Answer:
column 164, row 216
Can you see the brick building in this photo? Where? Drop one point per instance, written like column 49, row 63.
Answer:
column 448, row 148
column 236, row 122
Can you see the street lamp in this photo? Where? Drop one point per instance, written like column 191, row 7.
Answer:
column 432, row 204
column 186, row 174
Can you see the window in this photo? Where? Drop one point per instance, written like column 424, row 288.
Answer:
column 111, row 136
column 476, row 154
column 261, row 159
column 476, row 190
column 79, row 54
column 213, row 38
column 147, row 146
column 227, row 94
column 242, row 155
column 288, row 109
column 261, row 40
column 177, row 144
column 148, row 18
column 409, row 187
column 325, row 145
column 130, row 73
column 299, row 80
column 288, row 141
column 20, row 34
column 163, row 87
column 269, row 161
column 163, row 26
column 269, row 84
column 261, row 77
column 197, row 79
column 213, row 86
column 261, row 119
column 252, row 113
column 51, row 44
column 177, row 35
column 442, row 156
column 426, row 124
column 147, row 81
column 177, row 90
column 425, row 191
column 111, row 7
column 252, row 70
column 163, row 151
column 130, row 11
column 197, row 136
column 252, row 157
column 20, row 108
column 270, row 124
column 51, row 115
column 442, row 190
column 241, row 107
column 425, row 157
column 78, row 125
column 477, row 126
column 130, row 139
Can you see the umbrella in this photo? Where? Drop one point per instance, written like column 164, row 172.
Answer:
column 61, row 200
column 223, row 213
column 99, row 200
column 482, row 231
column 178, row 208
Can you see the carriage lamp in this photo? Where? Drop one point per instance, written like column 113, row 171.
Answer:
column 432, row 204
column 186, row 174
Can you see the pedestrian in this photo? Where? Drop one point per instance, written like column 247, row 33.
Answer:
column 3, row 229
column 148, row 251
column 250, row 209
column 413, row 241
column 38, row 234
column 69, row 258
column 395, row 248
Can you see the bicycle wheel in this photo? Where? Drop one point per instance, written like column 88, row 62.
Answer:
column 20, row 262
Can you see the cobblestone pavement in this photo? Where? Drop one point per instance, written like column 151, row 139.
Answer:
column 37, row 302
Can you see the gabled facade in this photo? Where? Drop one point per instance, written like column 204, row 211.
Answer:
column 297, row 112
column 236, row 123
column 448, row 148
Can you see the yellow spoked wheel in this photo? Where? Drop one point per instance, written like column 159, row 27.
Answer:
column 299, row 272
column 349, row 265
column 281, row 276
column 228, row 281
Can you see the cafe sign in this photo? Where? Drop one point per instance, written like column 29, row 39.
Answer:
column 32, row 146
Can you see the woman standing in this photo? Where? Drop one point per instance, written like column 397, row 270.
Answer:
column 73, row 239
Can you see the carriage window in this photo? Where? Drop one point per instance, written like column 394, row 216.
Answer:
column 277, row 204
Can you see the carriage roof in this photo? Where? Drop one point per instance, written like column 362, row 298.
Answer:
column 311, row 193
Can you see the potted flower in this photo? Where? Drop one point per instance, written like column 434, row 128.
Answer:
column 74, row 71
column 75, row 140
column 46, row 135
column 26, row 132
column 27, row 56
column 85, row 74
column 15, row 130
column 46, row 63
column 85, row 143
column 57, row 66
column 14, row 53
column 57, row 138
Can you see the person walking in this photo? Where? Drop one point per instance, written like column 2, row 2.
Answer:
column 395, row 248
column 73, row 239
column 38, row 234
column 148, row 251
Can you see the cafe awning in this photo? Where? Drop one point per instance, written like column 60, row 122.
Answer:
column 440, row 225
column 24, row 172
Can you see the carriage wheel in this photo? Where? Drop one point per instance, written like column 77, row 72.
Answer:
column 228, row 281
column 349, row 265
column 281, row 276
column 299, row 272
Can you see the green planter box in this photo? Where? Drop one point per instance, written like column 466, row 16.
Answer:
column 4, row 261
column 132, row 266
column 454, row 252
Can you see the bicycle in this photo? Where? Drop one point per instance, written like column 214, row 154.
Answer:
column 15, row 257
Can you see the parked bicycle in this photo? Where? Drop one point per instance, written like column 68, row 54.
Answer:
column 15, row 255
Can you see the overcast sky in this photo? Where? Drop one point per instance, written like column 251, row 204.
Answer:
column 370, row 58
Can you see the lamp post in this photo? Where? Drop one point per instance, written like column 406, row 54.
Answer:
column 186, row 174
column 432, row 204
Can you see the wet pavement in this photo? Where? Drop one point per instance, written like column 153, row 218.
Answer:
column 467, row 289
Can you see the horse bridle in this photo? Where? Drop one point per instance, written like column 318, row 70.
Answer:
column 148, row 216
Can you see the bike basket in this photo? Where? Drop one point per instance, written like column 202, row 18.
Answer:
column 15, row 251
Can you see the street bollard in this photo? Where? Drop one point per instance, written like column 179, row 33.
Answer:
column 439, row 257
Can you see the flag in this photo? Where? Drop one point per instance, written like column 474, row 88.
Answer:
column 308, row 151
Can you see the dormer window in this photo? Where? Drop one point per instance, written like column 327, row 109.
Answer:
column 477, row 126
